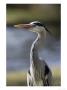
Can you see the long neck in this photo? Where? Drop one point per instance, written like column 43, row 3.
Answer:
column 34, row 50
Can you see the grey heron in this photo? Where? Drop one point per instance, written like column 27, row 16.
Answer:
column 39, row 73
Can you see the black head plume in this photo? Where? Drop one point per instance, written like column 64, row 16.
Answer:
column 37, row 23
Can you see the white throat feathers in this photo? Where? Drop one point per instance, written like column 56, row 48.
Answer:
column 34, row 48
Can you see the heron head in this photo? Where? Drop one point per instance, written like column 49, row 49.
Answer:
column 35, row 26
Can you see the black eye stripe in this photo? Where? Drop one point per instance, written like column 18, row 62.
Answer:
column 39, row 24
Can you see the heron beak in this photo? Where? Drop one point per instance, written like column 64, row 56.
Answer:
column 26, row 26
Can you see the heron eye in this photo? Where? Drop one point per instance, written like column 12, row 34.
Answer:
column 33, row 25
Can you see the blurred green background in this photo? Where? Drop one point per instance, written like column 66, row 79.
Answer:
column 50, row 15
column 25, row 13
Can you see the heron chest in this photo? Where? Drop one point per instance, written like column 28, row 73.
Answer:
column 37, row 71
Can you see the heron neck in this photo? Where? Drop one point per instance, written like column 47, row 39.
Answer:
column 34, row 50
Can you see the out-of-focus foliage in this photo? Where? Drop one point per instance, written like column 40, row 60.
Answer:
column 19, row 78
column 29, row 12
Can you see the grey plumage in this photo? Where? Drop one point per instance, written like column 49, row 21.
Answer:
column 39, row 73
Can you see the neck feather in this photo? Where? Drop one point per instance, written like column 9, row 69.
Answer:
column 34, row 49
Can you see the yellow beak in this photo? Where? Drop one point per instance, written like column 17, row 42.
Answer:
column 26, row 26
